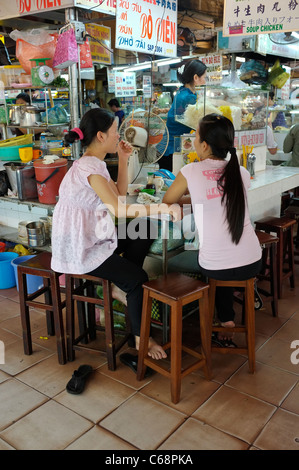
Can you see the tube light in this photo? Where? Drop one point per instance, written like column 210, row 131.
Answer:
column 143, row 66
column 172, row 84
column 168, row 62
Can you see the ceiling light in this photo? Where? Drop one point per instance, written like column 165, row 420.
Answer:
column 143, row 66
column 172, row 84
column 163, row 62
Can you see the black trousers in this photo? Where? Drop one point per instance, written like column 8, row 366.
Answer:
column 224, row 297
column 126, row 271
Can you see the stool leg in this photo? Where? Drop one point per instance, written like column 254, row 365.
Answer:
column 91, row 313
column 144, row 333
column 176, row 351
column 212, row 293
column 24, row 310
column 250, row 323
column 58, row 320
column 81, row 314
column 205, row 333
column 70, row 320
column 273, row 279
column 49, row 313
column 280, row 263
column 109, row 326
column 291, row 256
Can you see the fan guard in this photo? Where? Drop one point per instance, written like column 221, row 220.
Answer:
column 283, row 38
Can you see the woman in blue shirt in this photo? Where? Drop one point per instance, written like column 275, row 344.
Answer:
column 193, row 75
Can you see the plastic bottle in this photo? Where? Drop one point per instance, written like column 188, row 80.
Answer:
column 150, row 181
column 44, row 144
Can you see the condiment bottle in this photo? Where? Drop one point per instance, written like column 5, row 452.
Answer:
column 150, row 181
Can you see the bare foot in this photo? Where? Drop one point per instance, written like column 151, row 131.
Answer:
column 118, row 294
column 155, row 351
column 228, row 335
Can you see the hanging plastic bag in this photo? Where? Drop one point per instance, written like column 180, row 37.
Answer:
column 85, row 55
column 66, row 52
column 34, row 44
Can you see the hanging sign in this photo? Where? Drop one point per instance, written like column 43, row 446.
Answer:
column 147, row 26
column 14, row 8
column 125, row 84
column 111, row 81
column 256, row 17
column 101, row 44
column 103, row 6
column 214, row 67
column 147, row 86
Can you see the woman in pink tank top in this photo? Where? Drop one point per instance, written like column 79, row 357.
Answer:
column 229, row 248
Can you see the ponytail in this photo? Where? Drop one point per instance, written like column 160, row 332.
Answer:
column 231, row 185
column 219, row 133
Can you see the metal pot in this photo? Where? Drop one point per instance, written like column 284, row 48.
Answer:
column 22, row 179
column 31, row 116
column 16, row 112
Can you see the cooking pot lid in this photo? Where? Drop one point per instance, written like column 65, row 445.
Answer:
column 59, row 162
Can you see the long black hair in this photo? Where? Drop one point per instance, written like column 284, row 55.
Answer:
column 193, row 67
column 218, row 132
column 95, row 120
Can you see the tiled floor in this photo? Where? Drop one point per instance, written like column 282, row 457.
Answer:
column 236, row 410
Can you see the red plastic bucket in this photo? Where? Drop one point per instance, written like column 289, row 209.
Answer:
column 48, row 179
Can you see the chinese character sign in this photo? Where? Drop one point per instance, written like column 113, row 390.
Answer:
column 243, row 17
column 147, row 26
column 125, row 84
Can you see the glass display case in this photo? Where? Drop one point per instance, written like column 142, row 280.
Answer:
column 247, row 108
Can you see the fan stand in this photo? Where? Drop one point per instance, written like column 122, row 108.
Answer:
column 134, row 165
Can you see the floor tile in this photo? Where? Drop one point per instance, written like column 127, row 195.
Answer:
column 9, row 308
column 288, row 330
column 16, row 361
column 291, row 403
column 194, row 435
column 37, row 322
column 101, row 396
column 49, row 427
column 277, row 353
column 51, row 378
column 225, row 408
column 5, row 446
column 98, row 438
column 280, row 433
column 268, row 384
column 143, row 422
column 12, row 406
column 194, row 391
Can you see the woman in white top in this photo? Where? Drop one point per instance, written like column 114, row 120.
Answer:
column 229, row 248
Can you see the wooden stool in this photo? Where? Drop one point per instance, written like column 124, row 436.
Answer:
column 81, row 287
column 292, row 212
column 40, row 265
column 283, row 228
column 175, row 290
column 269, row 243
column 248, row 328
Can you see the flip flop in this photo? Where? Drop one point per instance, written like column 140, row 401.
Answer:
column 132, row 361
column 77, row 383
column 223, row 343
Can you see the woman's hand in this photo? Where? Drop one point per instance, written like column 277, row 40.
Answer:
column 176, row 212
column 124, row 150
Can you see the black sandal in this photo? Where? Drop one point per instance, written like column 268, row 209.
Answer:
column 223, row 343
column 77, row 383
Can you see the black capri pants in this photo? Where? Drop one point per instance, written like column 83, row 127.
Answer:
column 224, row 297
column 126, row 271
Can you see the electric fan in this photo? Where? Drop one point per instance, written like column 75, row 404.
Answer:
column 148, row 135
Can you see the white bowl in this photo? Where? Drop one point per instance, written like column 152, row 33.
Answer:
column 133, row 187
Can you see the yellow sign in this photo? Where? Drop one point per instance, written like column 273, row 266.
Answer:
column 2, row 38
column 100, row 43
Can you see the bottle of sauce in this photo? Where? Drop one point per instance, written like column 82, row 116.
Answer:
column 150, row 182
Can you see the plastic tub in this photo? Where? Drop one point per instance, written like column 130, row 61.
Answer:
column 33, row 282
column 12, row 153
column 7, row 275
